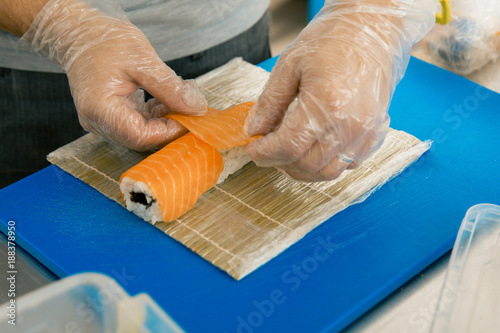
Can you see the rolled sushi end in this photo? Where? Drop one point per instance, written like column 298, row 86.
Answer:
column 140, row 200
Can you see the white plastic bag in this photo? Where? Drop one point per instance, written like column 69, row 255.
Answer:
column 469, row 41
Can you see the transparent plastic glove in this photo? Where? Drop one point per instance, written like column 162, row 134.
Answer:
column 107, row 60
column 324, row 108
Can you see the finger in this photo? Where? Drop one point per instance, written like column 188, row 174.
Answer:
column 140, row 134
column 316, row 158
column 156, row 109
column 280, row 90
column 287, row 143
column 370, row 142
column 156, row 133
column 124, row 125
column 330, row 172
column 354, row 165
column 360, row 155
column 168, row 88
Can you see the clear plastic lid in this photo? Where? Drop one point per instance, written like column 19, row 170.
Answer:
column 88, row 302
column 470, row 296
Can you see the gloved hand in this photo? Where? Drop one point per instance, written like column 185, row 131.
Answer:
column 107, row 60
column 324, row 108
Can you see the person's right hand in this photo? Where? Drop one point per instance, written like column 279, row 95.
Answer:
column 107, row 60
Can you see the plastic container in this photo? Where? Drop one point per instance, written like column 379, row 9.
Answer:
column 90, row 303
column 470, row 296
column 471, row 39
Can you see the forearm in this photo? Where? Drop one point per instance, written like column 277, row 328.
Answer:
column 385, row 29
column 389, row 19
column 16, row 15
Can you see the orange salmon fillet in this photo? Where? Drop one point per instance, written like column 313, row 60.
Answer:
column 179, row 174
column 219, row 128
column 176, row 176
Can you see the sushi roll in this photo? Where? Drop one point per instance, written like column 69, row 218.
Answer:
column 169, row 182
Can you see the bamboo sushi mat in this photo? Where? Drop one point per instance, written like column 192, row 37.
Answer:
column 257, row 212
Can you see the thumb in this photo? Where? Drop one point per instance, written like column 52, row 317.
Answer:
column 172, row 91
column 279, row 92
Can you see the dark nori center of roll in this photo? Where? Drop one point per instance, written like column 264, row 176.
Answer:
column 140, row 198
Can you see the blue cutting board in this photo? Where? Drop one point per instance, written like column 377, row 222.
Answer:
column 326, row 280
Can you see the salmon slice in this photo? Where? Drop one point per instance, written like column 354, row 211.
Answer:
column 168, row 183
column 219, row 128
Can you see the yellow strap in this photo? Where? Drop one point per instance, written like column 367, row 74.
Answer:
column 445, row 15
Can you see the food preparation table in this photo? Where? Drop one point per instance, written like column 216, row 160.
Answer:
column 329, row 278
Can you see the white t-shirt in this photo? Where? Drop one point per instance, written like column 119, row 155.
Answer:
column 175, row 28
